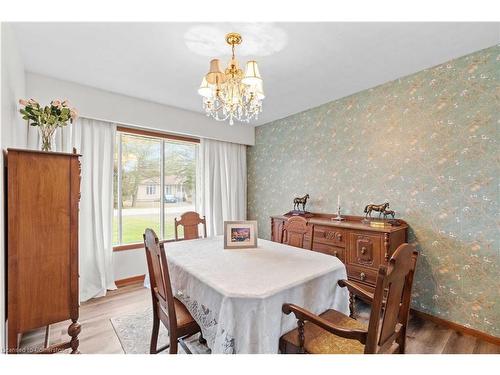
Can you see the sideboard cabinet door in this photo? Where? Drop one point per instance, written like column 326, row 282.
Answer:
column 365, row 249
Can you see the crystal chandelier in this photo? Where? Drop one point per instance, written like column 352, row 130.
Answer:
column 230, row 94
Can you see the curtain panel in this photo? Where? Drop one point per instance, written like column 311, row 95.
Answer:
column 221, row 183
column 95, row 141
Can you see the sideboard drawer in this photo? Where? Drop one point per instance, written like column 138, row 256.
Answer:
column 329, row 235
column 329, row 250
column 362, row 274
column 365, row 249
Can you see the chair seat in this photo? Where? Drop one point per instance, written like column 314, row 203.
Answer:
column 319, row 341
column 185, row 321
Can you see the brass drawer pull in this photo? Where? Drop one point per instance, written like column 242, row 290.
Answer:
column 335, row 253
column 363, row 250
column 362, row 276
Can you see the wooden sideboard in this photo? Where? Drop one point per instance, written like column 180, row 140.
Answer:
column 43, row 193
column 361, row 247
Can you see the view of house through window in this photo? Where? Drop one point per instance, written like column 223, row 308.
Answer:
column 144, row 168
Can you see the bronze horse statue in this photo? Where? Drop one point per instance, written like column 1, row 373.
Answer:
column 389, row 212
column 380, row 208
column 300, row 201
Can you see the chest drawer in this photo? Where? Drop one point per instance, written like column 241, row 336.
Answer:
column 365, row 249
column 362, row 274
column 329, row 235
column 338, row 252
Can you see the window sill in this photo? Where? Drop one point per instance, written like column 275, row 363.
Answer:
column 131, row 246
column 135, row 246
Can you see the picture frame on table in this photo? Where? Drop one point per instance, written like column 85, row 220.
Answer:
column 240, row 234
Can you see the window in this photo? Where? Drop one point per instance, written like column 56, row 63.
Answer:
column 151, row 190
column 145, row 165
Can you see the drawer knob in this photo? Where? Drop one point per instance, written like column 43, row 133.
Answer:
column 362, row 276
column 334, row 253
column 339, row 237
column 363, row 250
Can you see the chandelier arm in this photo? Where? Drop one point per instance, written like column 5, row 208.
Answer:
column 220, row 107
column 223, row 118
column 222, row 102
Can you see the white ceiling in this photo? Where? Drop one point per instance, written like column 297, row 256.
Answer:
column 303, row 64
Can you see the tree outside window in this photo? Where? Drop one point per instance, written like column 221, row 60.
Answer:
column 138, row 202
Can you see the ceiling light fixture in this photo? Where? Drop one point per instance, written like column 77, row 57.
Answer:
column 230, row 94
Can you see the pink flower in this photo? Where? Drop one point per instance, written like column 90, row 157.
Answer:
column 32, row 102
column 73, row 113
column 23, row 102
column 65, row 103
column 55, row 103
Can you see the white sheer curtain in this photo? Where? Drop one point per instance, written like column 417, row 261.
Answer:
column 221, row 183
column 95, row 141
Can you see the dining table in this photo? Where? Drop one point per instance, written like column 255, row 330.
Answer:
column 236, row 295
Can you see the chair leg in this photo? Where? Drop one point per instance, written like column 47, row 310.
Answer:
column 184, row 346
column 401, row 340
column 201, row 339
column 154, row 335
column 173, row 345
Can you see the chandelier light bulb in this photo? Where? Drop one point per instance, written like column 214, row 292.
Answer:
column 258, row 90
column 205, row 90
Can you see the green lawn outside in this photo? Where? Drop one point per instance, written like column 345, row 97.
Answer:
column 134, row 226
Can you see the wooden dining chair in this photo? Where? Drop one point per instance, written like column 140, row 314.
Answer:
column 294, row 231
column 166, row 308
column 190, row 221
column 335, row 333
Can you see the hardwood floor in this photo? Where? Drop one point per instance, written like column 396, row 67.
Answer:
column 98, row 335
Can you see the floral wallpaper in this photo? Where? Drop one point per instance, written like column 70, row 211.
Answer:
column 427, row 143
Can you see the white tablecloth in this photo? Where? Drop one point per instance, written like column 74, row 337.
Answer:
column 236, row 295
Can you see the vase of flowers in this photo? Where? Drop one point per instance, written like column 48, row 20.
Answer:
column 47, row 118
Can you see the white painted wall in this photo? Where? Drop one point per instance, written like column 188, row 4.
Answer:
column 107, row 106
column 129, row 263
column 14, row 128
column 13, row 133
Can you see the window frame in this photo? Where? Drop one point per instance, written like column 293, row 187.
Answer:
column 151, row 134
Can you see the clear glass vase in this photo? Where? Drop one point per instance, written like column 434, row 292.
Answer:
column 47, row 133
